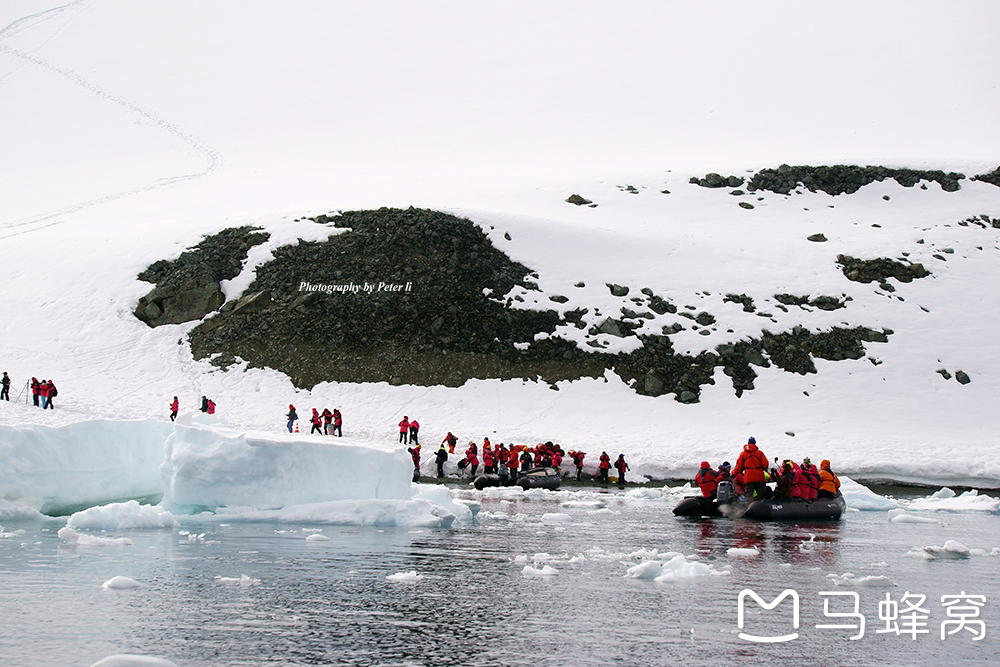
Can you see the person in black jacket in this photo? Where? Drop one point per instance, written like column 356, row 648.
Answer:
column 5, row 387
column 292, row 417
column 442, row 456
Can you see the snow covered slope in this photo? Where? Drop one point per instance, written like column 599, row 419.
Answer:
column 132, row 129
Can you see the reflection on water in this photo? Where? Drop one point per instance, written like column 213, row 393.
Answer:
column 328, row 602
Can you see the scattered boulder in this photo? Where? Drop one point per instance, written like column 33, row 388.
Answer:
column 747, row 205
column 578, row 200
column 713, row 180
column 743, row 299
column 962, row 377
column 817, row 238
column 618, row 290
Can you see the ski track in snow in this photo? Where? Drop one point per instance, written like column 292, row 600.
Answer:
column 212, row 158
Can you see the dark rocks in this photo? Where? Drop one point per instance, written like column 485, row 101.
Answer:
column 962, row 377
column 714, row 180
column 255, row 302
column 743, row 299
column 618, row 290
column 878, row 270
column 983, row 221
column 822, row 302
column 704, row 319
column 578, row 200
column 992, row 177
column 558, row 298
column 944, row 373
column 611, row 327
column 747, row 205
column 188, row 288
column 661, row 306
column 844, row 179
column 817, row 238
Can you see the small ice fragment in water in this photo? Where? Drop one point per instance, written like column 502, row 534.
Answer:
column 410, row 577
column 121, row 583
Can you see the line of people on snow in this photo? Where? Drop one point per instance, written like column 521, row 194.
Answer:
column 207, row 406
column 752, row 473
column 326, row 422
column 42, row 391
column 506, row 462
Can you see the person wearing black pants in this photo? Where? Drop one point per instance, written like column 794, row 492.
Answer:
column 5, row 387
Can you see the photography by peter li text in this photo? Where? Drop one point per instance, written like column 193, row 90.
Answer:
column 364, row 287
column 909, row 616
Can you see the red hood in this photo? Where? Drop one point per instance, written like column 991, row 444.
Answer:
column 749, row 448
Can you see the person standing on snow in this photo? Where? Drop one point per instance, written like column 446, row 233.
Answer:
column 442, row 456
column 204, row 404
column 5, row 387
column 316, row 421
column 338, row 422
column 404, row 429
column 512, row 464
column 603, row 467
column 49, row 392
column 621, row 467
column 414, row 432
column 327, row 418
column 292, row 417
column 472, row 456
column 36, row 390
column 174, row 407
column 578, row 462
column 211, row 407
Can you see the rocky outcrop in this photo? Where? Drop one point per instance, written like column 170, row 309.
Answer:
column 991, row 177
column 879, row 270
column 844, row 179
column 188, row 287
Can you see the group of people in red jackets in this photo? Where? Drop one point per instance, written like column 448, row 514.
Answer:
column 409, row 431
column 43, row 391
column 751, row 474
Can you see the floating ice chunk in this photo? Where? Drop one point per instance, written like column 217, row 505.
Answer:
column 644, row 493
column 995, row 552
column 18, row 511
column 316, row 537
column 126, row 660
column 850, row 580
column 809, row 545
column 900, row 516
column 739, row 551
column 121, row 583
column 440, row 496
column 312, row 530
column 678, row 568
column 410, row 577
column 588, row 504
column 603, row 511
column 861, row 497
column 951, row 550
column 945, row 500
column 649, row 569
column 541, row 557
column 122, row 516
column 544, row 571
column 245, row 581
column 520, row 559
column 553, row 518
column 71, row 535
column 977, row 552
column 577, row 559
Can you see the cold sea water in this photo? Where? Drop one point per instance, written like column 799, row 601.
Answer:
column 262, row 594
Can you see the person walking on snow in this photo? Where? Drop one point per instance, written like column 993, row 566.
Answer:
column 404, row 429
column 414, row 432
column 292, row 417
column 5, row 388
column 327, row 418
column 338, row 422
column 316, row 421
column 621, row 467
column 174, row 407
column 451, row 441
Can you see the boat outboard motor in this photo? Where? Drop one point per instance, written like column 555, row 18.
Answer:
column 724, row 492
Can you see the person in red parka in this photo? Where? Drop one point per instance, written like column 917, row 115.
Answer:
column 753, row 464
column 415, row 455
column 811, row 473
column 414, row 432
column 578, row 462
column 404, row 429
column 317, row 421
column 512, row 463
column 472, row 457
column 603, row 467
column 338, row 423
column 707, row 480
column 49, row 392
column 174, row 407
column 488, row 460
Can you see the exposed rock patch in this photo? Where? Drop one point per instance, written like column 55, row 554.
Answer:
column 880, row 269
column 992, row 177
column 844, row 179
column 188, row 287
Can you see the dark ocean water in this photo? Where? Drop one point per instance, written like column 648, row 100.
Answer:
column 329, row 602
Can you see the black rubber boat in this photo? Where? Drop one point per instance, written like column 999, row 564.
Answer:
column 539, row 478
column 773, row 509
column 697, row 506
column 484, row 481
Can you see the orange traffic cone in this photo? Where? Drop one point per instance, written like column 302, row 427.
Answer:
column 296, row 427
